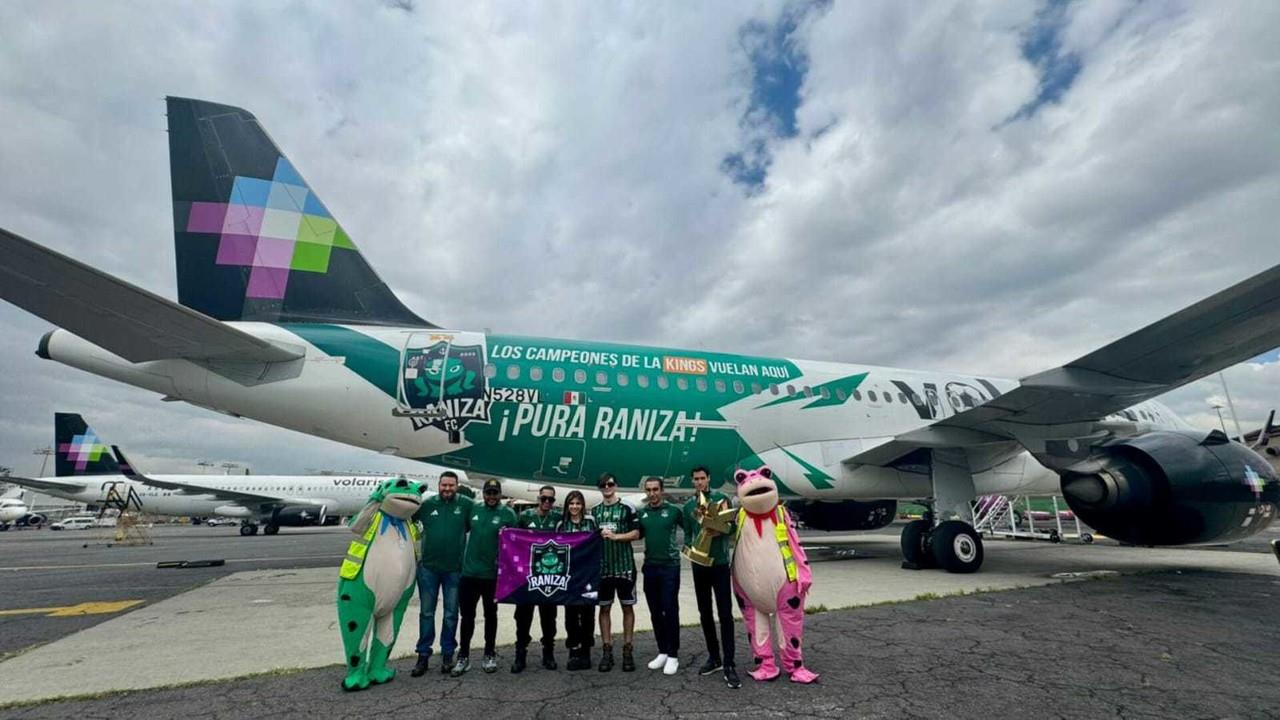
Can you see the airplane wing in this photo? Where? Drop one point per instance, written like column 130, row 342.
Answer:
column 125, row 319
column 239, row 497
column 1232, row 326
column 47, row 484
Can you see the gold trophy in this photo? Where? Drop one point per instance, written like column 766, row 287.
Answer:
column 712, row 520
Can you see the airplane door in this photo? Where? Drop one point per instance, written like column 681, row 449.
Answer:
column 562, row 460
column 713, row 443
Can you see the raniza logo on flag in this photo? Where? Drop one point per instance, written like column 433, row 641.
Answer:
column 549, row 568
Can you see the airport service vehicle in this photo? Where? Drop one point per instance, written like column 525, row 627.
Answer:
column 79, row 522
column 279, row 318
column 88, row 471
column 219, row 521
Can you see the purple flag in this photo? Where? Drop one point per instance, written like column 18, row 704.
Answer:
column 541, row 567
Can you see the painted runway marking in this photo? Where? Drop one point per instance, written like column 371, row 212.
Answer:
column 153, row 562
column 84, row 608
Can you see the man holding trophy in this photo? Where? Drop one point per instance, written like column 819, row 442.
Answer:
column 708, row 523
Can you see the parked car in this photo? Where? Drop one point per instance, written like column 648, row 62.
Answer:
column 217, row 521
column 80, row 522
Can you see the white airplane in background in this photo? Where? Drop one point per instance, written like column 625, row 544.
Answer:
column 280, row 318
column 88, row 471
column 14, row 511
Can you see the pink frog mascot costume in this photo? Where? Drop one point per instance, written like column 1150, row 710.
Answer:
column 771, row 577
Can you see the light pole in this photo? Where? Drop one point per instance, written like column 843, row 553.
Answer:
column 46, row 452
column 1218, row 408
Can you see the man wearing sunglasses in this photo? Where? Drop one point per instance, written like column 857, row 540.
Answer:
column 543, row 517
column 617, row 523
column 480, row 575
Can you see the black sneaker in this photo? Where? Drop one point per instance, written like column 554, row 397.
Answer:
column 710, row 666
column 517, row 665
column 731, row 677
column 447, row 665
column 420, row 667
column 549, row 659
column 606, row 659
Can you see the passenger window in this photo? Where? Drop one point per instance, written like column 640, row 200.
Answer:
column 663, row 382
column 738, row 387
column 557, row 374
column 720, row 386
column 791, row 390
column 623, row 379
column 602, row 378
column 902, row 398
column 642, row 381
column 841, row 395
column 682, row 383
column 826, row 392
column 888, row 397
column 773, row 388
column 491, row 371
column 871, row 395
column 513, row 372
column 857, row 395
column 701, row 383
column 535, row 373
column 915, row 399
column 580, row 376
column 756, row 389
column 808, row 391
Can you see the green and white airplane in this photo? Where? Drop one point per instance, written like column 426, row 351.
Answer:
column 280, row 319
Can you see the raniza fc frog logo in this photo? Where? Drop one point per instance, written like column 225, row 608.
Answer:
column 449, row 380
column 549, row 568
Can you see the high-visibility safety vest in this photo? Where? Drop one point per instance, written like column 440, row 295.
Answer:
column 359, row 547
column 779, row 534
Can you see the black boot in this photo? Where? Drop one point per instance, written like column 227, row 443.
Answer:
column 420, row 667
column 518, row 664
column 606, row 658
column 628, row 658
column 575, row 660
column 549, row 658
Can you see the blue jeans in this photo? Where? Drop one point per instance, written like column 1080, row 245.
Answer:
column 431, row 584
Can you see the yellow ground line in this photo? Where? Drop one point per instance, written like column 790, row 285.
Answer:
column 84, row 608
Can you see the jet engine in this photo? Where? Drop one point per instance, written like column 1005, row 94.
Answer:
column 844, row 515
column 31, row 520
column 297, row 516
column 1174, row 488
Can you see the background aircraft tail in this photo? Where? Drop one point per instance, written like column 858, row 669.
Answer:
column 253, row 242
column 78, row 451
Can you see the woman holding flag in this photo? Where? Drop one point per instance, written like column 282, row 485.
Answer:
column 579, row 620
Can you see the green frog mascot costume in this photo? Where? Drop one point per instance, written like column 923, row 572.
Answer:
column 377, row 580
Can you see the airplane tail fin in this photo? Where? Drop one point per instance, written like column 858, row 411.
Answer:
column 77, row 449
column 253, row 241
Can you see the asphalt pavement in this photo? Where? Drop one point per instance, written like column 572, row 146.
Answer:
column 1184, row 645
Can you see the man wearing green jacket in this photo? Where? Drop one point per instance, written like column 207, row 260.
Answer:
column 712, row 580
column 480, row 575
column 444, row 534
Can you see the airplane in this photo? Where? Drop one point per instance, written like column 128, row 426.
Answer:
column 88, row 471
column 280, row 319
column 14, row 511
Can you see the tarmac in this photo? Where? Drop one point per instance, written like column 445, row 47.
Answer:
column 1167, row 631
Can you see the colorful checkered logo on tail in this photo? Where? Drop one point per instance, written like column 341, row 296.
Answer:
column 274, row 227
column 83, row 449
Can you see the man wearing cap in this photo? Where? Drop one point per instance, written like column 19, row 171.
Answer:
column 617, row 523
column 543, row 517
column 444, row 534
column 480, row 575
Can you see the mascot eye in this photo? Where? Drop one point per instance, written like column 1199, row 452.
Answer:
column 765, row 471
column 402, row 483
column 739, row 476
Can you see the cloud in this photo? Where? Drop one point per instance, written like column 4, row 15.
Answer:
column 561, row 171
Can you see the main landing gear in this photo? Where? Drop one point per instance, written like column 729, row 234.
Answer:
column 951, row 544
column 249, row 528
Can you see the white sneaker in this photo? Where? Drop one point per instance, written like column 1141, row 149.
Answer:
column 673, row 666
column 658, row 662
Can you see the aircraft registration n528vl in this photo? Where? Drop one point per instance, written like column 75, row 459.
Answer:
column 280, row 319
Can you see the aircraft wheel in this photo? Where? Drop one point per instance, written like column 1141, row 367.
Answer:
column 1086, row 538
column 915, row 545
column 4, row 526
column 956, row 547
column 248, row 529
column 270, row 529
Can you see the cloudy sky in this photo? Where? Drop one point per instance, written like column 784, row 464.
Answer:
column 981, row 187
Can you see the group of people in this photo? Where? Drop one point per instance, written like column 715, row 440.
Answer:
column 459, row 564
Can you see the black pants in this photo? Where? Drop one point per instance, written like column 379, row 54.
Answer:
column 661, row 590
column 470, row 591
column 580, row 626
column 524, row 621
column 706, row 581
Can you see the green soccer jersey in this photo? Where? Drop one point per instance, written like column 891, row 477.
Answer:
column 533, row 520
column 444, row 532
column 617, row 560
column 720, row 545
column 588, row 524
column 481, row 557
column 658, row 526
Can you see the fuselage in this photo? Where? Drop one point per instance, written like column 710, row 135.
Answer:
column 563, row 412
